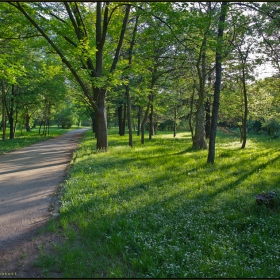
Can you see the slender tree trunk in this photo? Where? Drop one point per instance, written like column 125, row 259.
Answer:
column 191, row 112
column 27, row 121
column 146, row 114
column 129, row 122
column 145, row 120
column 216, row 102
column 92, row 117
column 120, row 115
column 44, row 131
column 124, row 119
column 175, row 120
column 11, row 114
column 41, row 123
column 208, row 118
column 129, row 118
column 151, row 123
column 3, row 111
column 139, row 115
column 16, row 121
column 244, row 119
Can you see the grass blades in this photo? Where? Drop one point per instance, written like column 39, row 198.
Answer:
column 159, row 211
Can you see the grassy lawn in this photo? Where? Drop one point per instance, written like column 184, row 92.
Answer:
column 158, row 210
column 27, row 139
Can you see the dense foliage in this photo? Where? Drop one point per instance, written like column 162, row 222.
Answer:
column 141, row 66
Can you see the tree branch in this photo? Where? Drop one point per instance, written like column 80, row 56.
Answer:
column 64, row 60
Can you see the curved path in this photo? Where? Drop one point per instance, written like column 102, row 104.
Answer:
column 28, row 180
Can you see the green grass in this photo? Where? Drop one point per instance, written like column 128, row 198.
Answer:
column 27, row 139
column 158, row 210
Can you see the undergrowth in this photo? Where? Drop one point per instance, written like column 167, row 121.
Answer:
column 159, row 211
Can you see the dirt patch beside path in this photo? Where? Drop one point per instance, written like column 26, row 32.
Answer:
column 29, row 178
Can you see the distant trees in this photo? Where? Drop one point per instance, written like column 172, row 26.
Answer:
column 138, row 64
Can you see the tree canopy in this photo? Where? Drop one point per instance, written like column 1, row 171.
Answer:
column 145, row 65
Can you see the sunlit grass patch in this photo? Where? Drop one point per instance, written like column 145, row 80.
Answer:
column 158, row 210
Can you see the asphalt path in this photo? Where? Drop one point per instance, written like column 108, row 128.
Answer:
column 29, row 178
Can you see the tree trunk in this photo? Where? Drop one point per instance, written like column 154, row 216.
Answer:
column 175, row 119
column 101, row 27
column 129, row 122
column 120, row 110
column 145, row 120
column 92, row 117
column 27, row 121
column 199, row 141
column 151, row 120
column 216, row 102
column 40, row 127
column 139, row 115
column 16, row 121
column 208, row 118
column 11, row 114
column 244, row 119
column 3, row 112
column 124, row 119
column 191, row 112
column 101, row 120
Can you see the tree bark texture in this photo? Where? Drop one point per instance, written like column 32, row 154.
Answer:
column 216, row 101
column 199, row 141
column 101, row 120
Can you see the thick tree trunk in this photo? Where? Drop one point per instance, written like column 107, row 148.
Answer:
column 199, row 141
column 101, row 120
column 216, row 102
